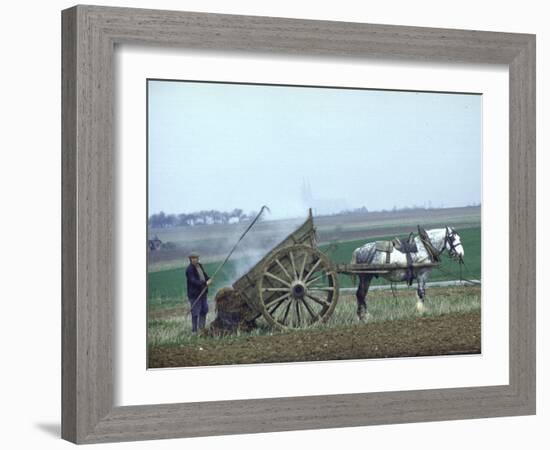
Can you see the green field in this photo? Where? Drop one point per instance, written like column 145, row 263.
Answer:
column 166, row 288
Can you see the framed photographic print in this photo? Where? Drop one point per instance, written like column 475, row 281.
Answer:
column 282, row 203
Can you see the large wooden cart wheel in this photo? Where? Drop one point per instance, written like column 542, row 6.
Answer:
column 298, row 288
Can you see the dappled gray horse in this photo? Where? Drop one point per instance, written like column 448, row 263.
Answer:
column 427, row 247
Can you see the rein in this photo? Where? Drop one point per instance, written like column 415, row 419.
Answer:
column 452, row 248
column 462, row 279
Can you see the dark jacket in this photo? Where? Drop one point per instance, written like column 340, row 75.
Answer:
column 194, row 283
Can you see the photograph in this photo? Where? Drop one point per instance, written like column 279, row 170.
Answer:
column 297, row 223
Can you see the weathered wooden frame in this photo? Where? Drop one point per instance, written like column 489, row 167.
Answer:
column 89, row 36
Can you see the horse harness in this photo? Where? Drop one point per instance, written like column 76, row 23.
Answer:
column 435, row 255
column 409, row 246
column 450, row 239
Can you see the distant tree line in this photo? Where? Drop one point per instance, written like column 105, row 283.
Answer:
column 364, row 210
column 163, row 220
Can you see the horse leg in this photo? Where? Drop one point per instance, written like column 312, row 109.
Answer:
column 361, row 294
column 421, row 292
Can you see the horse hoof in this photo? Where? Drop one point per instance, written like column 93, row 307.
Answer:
column 420, row 307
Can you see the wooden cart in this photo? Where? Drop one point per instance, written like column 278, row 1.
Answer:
column 295, row 285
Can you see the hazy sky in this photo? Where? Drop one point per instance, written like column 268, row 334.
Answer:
column 225, row 146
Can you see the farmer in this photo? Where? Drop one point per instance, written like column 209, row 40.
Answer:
column 197, row 285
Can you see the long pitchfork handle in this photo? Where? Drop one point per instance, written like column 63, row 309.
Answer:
column 264, row 207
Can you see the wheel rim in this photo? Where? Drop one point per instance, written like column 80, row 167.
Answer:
column 298, row 288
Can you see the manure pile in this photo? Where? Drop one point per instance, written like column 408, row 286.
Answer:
column 231, row 313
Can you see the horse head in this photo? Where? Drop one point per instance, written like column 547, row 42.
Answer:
column 453, row 244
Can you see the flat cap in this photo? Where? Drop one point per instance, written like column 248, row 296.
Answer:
column 193, row 255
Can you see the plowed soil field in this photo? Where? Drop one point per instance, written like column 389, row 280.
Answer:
column 457, row 333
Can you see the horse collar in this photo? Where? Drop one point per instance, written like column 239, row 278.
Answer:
column 432, row 251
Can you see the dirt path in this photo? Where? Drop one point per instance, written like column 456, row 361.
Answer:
column 426, row 336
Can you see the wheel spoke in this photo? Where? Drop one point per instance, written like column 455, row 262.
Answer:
column 284, row 270
column 276, row 307
column 286, row 312
column 318, row 300
column 275, row 277
column 303, row 266
column 297, row 306
column 326, row 289
column 293, row 263
column 282, row 297
column 281, row 289
column 312, row 270
column 317, row 278
column 314, row 316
